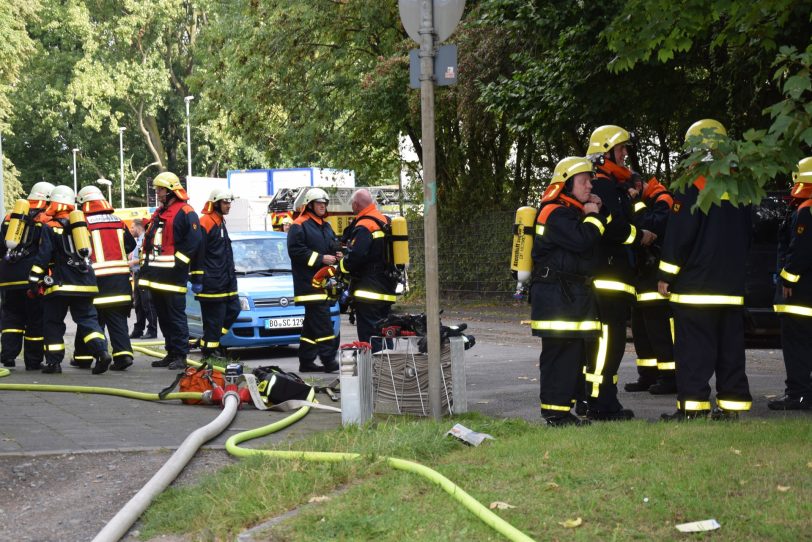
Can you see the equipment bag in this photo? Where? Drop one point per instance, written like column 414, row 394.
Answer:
column 195, row 379
column 276, row 386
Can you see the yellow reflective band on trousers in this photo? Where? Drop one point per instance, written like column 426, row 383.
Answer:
column 600, row 361
column 13, row 331
column 668, row 267
column 311, row 297
column 651, row 296
column 123, row 353
column 109, row 300
column 595, row 222
column 614, row 285
column 726, row 404
column 789, row 277
column 71, row 288
column 312, row 261
column 94, row 335
column 213, row 296
column 34, row 338
column 15, row 283
column 701, row 299
column 328, row 338
column 561, row 325
column 799, row 310
column 364, row 294
column 213, row 344
column 630, row 239
column 539, row 229
column 667, row 366
column 83, row 358
column 306, row 340
column 560, row 408
column 161, row 286
column 693, row 405
column 54, row 347
column 646, row 362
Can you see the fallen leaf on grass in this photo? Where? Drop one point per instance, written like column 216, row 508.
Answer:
column 782, row 489
column 319, row 498
column 809, row 464
column 571, row 523
column 551, row 485
column 547, row 454
column 499, row 505
column 735, row 451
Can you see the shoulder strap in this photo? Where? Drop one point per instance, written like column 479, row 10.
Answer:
column 546, row 211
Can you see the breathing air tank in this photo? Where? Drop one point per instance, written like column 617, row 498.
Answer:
column 79, row 233
column 400, row 242
column 521, row 260
column 16, row 224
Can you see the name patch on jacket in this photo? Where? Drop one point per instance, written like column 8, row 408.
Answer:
column 101, row 218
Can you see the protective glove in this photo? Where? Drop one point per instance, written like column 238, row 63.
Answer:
column 197, row 287
column 34, row 290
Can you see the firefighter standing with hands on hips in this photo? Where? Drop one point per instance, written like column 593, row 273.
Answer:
column 373, row 284
column 214, row 279
column 702, row 272
column 568, row 228
column 21, row 317
column 171, row 240
column 62, row 273
column 312, row 244
column 614, row 276
column 111, row 242
column 794, row 296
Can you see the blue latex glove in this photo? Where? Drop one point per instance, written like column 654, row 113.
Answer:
column 197, row 287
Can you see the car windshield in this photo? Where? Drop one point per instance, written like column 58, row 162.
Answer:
column 266, row 255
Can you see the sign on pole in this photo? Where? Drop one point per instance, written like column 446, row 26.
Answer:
column 446, row 14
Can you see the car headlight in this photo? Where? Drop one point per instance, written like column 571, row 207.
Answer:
column 244, row 306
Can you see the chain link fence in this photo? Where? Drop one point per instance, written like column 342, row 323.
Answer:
column 473, row 257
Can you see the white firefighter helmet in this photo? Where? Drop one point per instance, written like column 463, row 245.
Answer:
column 89, row 193
column 316, row 194
column 63, row 194
column 41, row 191
column 221, row 194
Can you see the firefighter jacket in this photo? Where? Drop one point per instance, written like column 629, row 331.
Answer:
column 309, row 239
column 15, row 265
column 651, row 212
column 704, row 256
column 56, row 258
column 171, row 240
column 214, row 265
column 111, row 242
column 796, row 268
column 565, row 256
column 367, row 260
column 616, row 271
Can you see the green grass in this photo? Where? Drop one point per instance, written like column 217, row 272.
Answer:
column 602, row 474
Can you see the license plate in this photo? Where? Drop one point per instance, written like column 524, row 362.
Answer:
column 279, row 323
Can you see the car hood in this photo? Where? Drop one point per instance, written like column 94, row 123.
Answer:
column 275, row 286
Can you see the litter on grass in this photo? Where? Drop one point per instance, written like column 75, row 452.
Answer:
column 698, row 526
column 468, row 436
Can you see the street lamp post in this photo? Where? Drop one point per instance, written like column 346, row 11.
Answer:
column 121, row 161
column 109, row 184
column 188, row 99
column 75, row 178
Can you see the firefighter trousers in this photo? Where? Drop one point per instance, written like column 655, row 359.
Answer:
column 560, row 364
column 367, row 315
column 710, row 340
column 318, row 337
column 171, row 310
column 83, row 313
column 796, row 340
column 653, row 341
column 21, row 321
column 145, row 317
column 217, row 315
column 607, row 353
column 114, row 321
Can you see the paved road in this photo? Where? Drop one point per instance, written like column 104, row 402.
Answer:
column 502, row 372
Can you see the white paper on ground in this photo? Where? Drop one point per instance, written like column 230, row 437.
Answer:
column 698, row 526
column 466, row 435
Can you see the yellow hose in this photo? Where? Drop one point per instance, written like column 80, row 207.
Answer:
column 157, row 354
column 101, row 391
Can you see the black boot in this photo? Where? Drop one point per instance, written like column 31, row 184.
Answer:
column 102, row 363
column 563, row 419
column 178, row 363
column 622, row 415
column 52, row 368
column 9, row 363
column 163, row 362
column 136, row 334
column 722, row 415
column 681, row 416
column 791, row 402
column 663, row 386
column 121, row 363
column 642, row 384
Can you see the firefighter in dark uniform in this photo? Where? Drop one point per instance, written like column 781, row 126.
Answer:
column 651, row 315
column 312, row 244
column 564, row 310
column 794, row 296
column 170, row 242
column 702, row 272
column 213, row 277
column 63, row 274
column 21, row 317
column 372, row 284
column 614, row 276
column 111, row 242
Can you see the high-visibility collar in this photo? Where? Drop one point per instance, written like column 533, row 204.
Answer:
column 617, row 172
